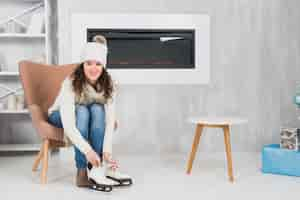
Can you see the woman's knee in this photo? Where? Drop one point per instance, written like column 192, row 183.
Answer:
column 97, row 108
column 82, row 118
column 97, row 115
column 55, row 119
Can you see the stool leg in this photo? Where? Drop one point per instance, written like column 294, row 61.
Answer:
column 228, row 151
column 198, row 133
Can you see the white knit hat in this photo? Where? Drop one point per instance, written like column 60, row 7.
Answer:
column 94, row 51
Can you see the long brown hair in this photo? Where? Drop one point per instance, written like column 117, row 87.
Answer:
column 104, row 82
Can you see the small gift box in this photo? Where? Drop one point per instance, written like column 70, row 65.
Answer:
column 290, row 138
column 276, row 160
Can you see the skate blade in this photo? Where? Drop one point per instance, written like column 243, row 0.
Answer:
column 99, row 187
column 121, row 182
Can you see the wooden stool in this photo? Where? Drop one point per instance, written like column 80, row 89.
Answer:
column 224, row 123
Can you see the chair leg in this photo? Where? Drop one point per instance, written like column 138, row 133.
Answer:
column 198, row 133
column 38, row 159
column 228, row 152
column 45, row 161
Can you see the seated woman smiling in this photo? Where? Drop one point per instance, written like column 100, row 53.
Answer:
column 85, row 108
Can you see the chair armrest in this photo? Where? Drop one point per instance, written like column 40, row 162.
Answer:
column 37, row 114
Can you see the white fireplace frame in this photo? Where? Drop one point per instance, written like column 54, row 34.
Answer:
column 199, row 22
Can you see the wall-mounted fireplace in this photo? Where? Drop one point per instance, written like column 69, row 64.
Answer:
column 152, row 48
column 148, row 48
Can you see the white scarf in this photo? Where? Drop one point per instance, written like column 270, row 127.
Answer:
column 90, row 95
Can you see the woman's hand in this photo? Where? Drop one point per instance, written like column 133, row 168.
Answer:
column 93, row 158
column 111, row 162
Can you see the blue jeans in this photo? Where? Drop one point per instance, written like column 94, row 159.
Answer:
column 90, row 121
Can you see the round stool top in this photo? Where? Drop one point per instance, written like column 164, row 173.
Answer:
column 217, row 120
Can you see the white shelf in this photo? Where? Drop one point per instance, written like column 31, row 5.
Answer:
column 22, row 35
column 20, row 147
column 17, row 41
column 24, row 111
column 8, row 73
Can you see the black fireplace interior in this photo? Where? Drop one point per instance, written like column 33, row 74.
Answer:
column 148, row 48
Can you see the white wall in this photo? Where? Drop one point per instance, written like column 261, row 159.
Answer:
column 254, row 47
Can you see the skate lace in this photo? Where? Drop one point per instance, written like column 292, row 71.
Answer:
column 112, row 164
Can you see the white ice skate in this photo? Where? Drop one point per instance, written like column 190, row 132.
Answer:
column 120, row 179
column 97, row 176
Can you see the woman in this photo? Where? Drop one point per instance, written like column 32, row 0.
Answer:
column 84, row 107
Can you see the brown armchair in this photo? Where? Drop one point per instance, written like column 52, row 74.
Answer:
column 41, row 84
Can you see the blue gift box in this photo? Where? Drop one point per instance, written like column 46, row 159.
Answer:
column 276, row 160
